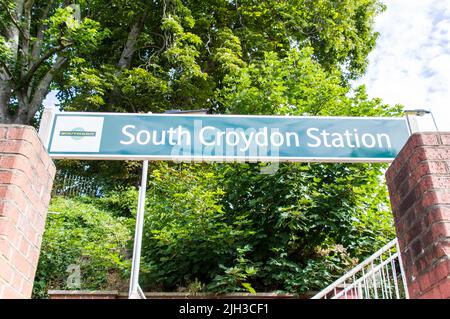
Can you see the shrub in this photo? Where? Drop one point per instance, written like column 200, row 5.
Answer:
column 79, row 234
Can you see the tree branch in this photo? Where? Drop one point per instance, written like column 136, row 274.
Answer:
column 40, row 32
column 13, row 20
column 25, row 41
column 42, row 88
column 8, row 72
column 38, row 63
column 130, row 46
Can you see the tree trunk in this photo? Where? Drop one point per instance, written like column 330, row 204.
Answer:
column 12, row 31
column 130, row 46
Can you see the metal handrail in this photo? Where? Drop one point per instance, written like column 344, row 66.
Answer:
column 360, row 276
column 365, row 276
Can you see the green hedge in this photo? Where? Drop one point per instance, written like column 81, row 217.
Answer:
column 81, row 233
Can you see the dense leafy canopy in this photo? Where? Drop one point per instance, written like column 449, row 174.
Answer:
column 181, row 54
column 38, row 40
column 154, row 55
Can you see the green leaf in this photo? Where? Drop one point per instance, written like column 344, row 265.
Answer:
column 249, row 287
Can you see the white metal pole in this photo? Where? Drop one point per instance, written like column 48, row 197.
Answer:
column 413, row 126
column 45, row 125
column 135, row 267
column 402, row 271
column 436, row 127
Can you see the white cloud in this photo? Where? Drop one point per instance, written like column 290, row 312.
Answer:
column 411, row 63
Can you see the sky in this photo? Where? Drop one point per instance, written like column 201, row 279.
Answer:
column 411, row 62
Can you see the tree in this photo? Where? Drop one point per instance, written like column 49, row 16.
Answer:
column 177, row 54
column 154, row 55
column 174, row 54
column 224, row 224
column 38, row 39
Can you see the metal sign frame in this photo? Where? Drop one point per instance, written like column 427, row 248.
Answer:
column 135, row 291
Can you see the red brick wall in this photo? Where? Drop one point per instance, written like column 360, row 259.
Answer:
column 26, row 178
column 419, row 188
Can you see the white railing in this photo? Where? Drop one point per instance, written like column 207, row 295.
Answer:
column 74, row 185
column 381, row 276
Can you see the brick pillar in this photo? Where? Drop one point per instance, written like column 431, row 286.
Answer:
column 419, row 188
column 26, row 178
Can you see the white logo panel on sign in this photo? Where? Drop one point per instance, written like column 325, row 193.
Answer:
column 77, row 134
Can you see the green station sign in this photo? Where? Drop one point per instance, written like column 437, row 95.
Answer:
column 224, row 137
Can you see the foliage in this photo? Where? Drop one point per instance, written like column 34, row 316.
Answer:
column 107, row 175
column 235, row 278
column 303, row 208
column 79, row 233
column 64, row 29
column 233, row 229
column 187, row 233
column 4, row 50
column 231, row 57
column 218, row 227
column 38, row 39
column 181, row 54
column 225, row 228
column 296, row 84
